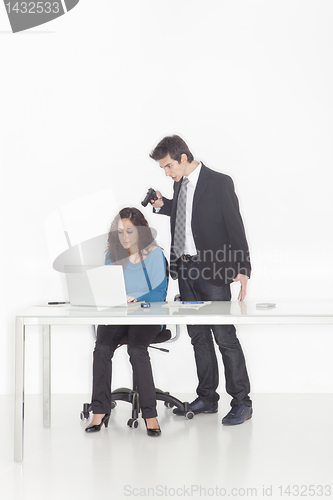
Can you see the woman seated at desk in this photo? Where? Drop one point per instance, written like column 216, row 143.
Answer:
column 130, row 244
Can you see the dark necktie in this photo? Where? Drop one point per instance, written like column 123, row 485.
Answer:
column 179, row 238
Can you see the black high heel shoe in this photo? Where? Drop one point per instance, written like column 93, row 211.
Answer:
column 153, row 432
column 96, row 428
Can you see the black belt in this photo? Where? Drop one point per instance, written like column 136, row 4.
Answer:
column 188, row 258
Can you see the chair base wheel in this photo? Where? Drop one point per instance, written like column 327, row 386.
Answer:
column 132, row 422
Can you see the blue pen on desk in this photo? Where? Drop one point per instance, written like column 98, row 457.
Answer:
column 192, row 302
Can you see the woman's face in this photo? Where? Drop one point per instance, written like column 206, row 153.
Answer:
column 128, row 235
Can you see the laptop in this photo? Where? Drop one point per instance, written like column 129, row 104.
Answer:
column 102, row 286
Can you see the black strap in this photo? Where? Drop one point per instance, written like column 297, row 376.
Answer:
column 146, row 275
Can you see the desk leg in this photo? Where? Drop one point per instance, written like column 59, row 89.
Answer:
column 19, row 390
column 46, row 375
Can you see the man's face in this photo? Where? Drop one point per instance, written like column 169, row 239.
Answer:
column 172, row 168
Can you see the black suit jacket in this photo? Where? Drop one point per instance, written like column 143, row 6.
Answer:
column 217, row 228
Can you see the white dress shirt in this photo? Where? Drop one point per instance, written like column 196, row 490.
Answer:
column 190, row 248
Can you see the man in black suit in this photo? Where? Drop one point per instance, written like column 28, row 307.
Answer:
column 209, row 251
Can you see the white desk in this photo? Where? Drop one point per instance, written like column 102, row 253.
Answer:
column 237, row 313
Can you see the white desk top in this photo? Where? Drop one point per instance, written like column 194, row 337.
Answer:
column 234, row 312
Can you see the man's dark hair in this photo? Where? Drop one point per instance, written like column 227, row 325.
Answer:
column 173, row 145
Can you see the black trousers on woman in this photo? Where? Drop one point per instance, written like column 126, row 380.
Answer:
column 139, row 338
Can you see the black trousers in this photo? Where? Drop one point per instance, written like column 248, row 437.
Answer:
column 193, row 286
column 139, row 338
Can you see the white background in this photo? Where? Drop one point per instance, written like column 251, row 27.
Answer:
column 84, row 100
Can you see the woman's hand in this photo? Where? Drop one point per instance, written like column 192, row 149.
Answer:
column 159, row 202
column 130, row 299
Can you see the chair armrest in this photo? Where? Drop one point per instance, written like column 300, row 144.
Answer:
column 176, row 336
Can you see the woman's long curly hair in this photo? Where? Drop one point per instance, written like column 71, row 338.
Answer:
column 146, row 240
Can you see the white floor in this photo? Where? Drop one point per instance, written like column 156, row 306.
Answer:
column 289, row 441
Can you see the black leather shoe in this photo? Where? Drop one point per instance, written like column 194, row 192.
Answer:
column 153, row 432
column 96, row 428
column 237, row 415
column 198, row 406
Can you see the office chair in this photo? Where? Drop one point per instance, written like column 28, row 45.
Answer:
column 132, row 395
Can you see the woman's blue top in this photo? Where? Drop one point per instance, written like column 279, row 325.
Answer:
column 146, row 280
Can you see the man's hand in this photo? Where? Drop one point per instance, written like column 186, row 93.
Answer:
column 159, row 202
column 130, row 299
column 243, row 282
